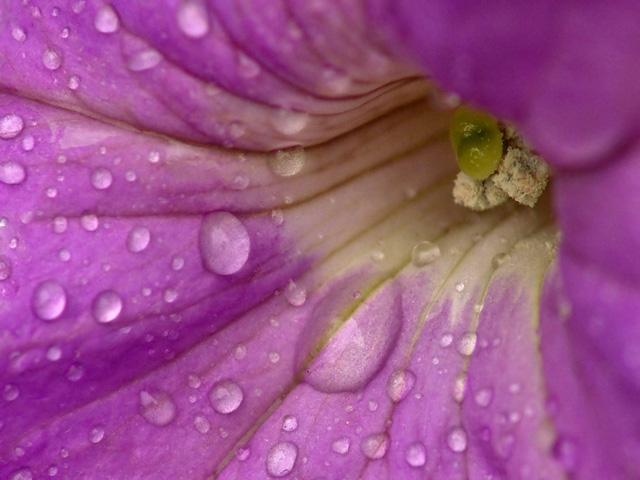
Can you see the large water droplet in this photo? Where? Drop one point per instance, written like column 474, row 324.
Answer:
column 49, row 300
column 144, row 60
column 226, row 396
column 12, row 173
column 457, row 439
column 224, row 243
column 281, row 458
column 286, row 163
column 399, row 384
column 341, row 445
column 10, row 126
column 101, row 178
column 425, row 253
column 157, row 408
column 289, row 122
column 138, row 239
column 193, row 19
column 375, row 446
column 416, row 454
column 51, row 59
column 467, row 343
column 107, row 306
column 106, row 20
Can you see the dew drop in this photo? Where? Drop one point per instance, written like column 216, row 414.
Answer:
column 28, row 143
column 177, row 263
column 170, row 295
column 78, row 6
column 60, row 224
column 64, row 255
column 101, row 178
column 459, row 388
column 89, row 222
column 484, row 396
column 51, row 192
column 341, row 445
column 459, row 287
column 157, row 408
column 96, row 434
column 107, row 306
column 10, row 393
column 274, row 357
column 52, row 471
column 75, row 372
column 51, row 59
column 226, row 396
column 201, row 424
column 467, row 343
column 295, row 294
column 138, row 239
column 193, row 19
column 12, row 173
column 18, row 34
column 286, row 163
column 243, row 453
column 446, row 339
column 375, row 446
column 289, row 122
column 289, row 423
column 224, row 243
column 54, row 353
column 144, row 60
column 457, row 439
column 277, row 216
column 415, row 454
column 240, row 352
column 281, row 458
column 73, row 82
column 106, row 20
column 425, row 253
column 5, row 269
column 399, row 384
column 10, row 126
column 49, row 300
column 22, row 474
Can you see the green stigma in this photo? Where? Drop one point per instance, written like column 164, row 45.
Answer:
column 477, row 140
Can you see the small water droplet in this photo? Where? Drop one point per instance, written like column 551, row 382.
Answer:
column 274, row 357
column 28, row 143
column 78, row 6
column 177, row 263
column 101, row 178
column 65, row 33
column 54, row 353
column 60, row 224
column 12, row 173
column 289, row 423
column 157, row 408
column 10, row 126
column 240, row 352
column 224, row 243
column 51, row 59
column 425, row 253
column 467, row 343
column 144, row 60
column 138, row 239
column 89, row 222
column 96, row 434
column 52, row 471
column 457, row 439
column 459, row 286
column 281, row 458
column 193, row 19
column 289, row 122
column 5, row 269
column 10, row 393
column 107, row 306
column 226, row 396
column 399, row 384
column 415, row 454
column 106, row 20
column 75, row 372
column 289, row 162
column 22, row 474
column 243, row 453
column 130, row 176
column 375, row 446
column 169, row 295
column 459, row 388
column 295, row 294
column 49, row 300
column 201, row 424
column 64, row 255
column 18, row 34
column 446, row 339
column 277, row 216
column 484, row 396
column 73, row 82
column 341, row 445
column 51, row 192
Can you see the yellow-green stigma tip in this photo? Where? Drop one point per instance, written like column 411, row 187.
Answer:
column 477, row 141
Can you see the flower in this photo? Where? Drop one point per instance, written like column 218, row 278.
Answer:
column 229, row 248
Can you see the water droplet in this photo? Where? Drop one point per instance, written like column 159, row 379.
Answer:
column 54, row 353
column 226, row 396
column 169, row 295
column 296, row 295
column 73, row 82
column 177, row 263
column 65, row 33
column 64, row 255
column 10, row 393
column 89, row 222
column 375, row 446
column 467, row 343
column 399, row 384
column 425, row 253
column 51, row 192
column 18, row 34
column 193, row 19
column 49, row 300
column 12, row 173
column 277, row 216
column 28, row 143
column 224, row 243
column 446, row 339
column 78, row 6
column 22, row 474
column 240, row 352
column 10, row 126
column 75, row 372
column 457, row 439
column 341, row 445
column 52, row 471
column 144, row 60
column 281, row 458
column 157, row 408
column 96, row 434
column 60, row 224
column 484, row 396
column 459, row 387
column 274, row 357
column 459, row 286
column 289, row 423
column 138, row 239
column 51, row 59
column 286, row 163
column 107, row 306
column 106, row 20
column 515, row 388
column 5, row 269
column 101, row 178
column 416, row 454
column 202, row 424
column 289, row 122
